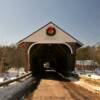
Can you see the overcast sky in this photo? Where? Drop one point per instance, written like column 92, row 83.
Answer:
column 80, row 18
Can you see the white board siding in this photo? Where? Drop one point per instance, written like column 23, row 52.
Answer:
column 41, row 36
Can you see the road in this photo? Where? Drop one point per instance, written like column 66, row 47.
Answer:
column 54, row 89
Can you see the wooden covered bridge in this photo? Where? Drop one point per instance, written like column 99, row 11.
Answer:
column 49, row 44
column 51, row 48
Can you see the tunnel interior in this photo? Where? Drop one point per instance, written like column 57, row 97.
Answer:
column 56, row 57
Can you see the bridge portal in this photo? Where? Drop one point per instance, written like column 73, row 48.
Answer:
column 50, row 47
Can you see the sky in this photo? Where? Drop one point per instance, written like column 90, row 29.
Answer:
column 19, row 18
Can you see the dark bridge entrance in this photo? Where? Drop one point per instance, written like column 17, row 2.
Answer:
column 50, row 56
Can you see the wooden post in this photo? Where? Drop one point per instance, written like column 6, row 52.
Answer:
column 2, row 65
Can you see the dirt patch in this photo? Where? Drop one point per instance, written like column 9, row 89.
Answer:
column 60, row 90
column 94, row 82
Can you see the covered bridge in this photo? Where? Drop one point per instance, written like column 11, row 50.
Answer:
column 49, row 44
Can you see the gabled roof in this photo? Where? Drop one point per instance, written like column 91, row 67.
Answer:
column 40, row 36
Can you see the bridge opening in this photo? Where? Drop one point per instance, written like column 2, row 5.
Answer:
column 43, row 57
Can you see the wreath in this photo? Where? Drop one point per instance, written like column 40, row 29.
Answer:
column 51, row 31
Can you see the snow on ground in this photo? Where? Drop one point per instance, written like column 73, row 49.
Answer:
column 89, row 74
column 93, row 76
column 94, row 89
column 19, row 71
column 1, row 79
column 12, row 73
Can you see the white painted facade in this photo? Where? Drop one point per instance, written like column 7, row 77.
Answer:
column 40, row 36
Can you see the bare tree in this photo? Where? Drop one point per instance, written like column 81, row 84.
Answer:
column 10, row 56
